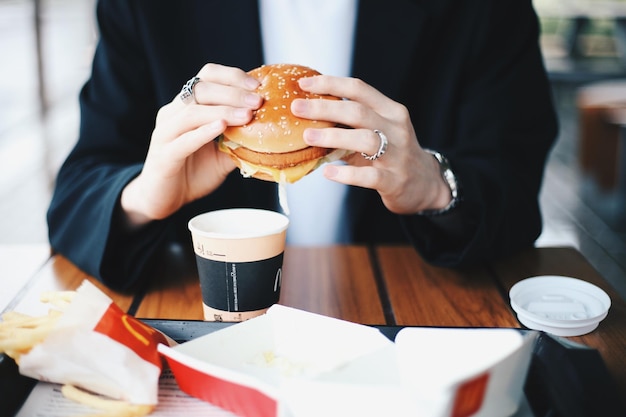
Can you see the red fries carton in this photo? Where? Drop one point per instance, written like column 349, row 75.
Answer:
column 99, row 348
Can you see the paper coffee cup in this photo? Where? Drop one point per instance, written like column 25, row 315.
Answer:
column 239, row 255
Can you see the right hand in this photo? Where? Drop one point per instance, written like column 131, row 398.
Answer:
column 183, row 162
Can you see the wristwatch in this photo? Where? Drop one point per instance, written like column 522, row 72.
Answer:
column 450, row 179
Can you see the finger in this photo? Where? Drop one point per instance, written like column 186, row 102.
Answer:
column 241, row 86
column 383, row 181
column 352, row 89
column 357, row 140
column 348, row 113
column 232, row 76
column 365, row 176
column 193, row 117
column 195, row 139
column 211, row 93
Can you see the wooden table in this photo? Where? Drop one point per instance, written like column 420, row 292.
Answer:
column 384, row 285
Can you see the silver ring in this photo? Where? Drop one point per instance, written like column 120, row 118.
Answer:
column 381, row 149
column 186, row 93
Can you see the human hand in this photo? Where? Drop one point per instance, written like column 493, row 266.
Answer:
column 183, row 162
column 407, row 178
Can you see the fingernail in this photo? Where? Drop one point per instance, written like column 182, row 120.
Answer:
column 312, row 136
column 242, row 113
column 330, row 171
column 298, row 106
column 214, row 126
column 305, row 82
column 253, row 100
column 252, row 83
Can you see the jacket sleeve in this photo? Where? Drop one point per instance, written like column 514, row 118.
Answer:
column 505, row 125
column 141, row 61
column 117, row 116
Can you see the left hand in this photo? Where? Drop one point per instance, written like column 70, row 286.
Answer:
column 406, row 177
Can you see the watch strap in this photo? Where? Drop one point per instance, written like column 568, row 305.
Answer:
column 448, row 176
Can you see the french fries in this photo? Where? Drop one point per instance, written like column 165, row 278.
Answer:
column 19, row 333
column 59, row 299
column 109, row 408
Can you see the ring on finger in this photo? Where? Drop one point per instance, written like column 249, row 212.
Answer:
column 186, row 93
column 382, row 148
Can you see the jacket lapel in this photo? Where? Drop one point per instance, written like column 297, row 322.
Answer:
column 386, row 39
column 231, row 30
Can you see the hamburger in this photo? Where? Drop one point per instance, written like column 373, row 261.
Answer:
column 271, row 147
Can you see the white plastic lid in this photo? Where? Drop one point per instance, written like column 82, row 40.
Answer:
column 559, row 305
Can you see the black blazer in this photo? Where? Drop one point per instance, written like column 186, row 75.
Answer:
column 470, row 73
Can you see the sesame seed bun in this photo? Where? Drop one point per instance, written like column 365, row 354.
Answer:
column 271, row 146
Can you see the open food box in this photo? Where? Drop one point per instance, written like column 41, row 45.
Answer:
column 288, row 362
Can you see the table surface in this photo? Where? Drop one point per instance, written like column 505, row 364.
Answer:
column 383, row 285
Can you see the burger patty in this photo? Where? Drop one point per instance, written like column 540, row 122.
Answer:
column 280, row 160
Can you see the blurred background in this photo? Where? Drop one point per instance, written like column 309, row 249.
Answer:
column 47, row 45
column 46, row 48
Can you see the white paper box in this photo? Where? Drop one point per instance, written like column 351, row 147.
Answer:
column 243, row 367
column 479, row 372
column 298, row 364
column 430, row 372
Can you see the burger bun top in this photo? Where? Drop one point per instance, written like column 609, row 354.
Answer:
column 273, row 128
